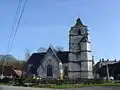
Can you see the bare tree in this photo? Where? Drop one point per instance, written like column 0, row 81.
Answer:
column 41, row 49
column 59, row 48
column 27, row 54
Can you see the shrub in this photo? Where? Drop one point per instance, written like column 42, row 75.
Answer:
column 5, row 80
column 20, row 81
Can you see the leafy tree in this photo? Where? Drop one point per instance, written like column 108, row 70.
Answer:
column 10, row 60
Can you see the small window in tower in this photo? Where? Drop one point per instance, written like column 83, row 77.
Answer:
column 79, row 32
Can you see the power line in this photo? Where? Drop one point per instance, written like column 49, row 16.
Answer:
column 16, row 29
column 25, row 1
column 14, row 22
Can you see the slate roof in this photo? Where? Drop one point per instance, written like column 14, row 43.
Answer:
column 106, row 62
column 63, row 56
column 109, row 62
column 101, row 64
column 113, row 70
column 37, row 57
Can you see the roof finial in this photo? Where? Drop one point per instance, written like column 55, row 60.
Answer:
column 79, row 22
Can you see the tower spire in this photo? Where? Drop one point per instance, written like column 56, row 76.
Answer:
column 79, row 22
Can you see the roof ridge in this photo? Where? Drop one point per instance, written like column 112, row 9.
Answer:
column 54, row 53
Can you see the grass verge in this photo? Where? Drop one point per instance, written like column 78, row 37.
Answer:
column 75, row 85
column 65, row 86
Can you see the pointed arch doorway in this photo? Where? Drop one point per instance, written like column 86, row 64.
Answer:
column 49, row 71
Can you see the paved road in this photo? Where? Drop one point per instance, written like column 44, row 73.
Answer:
column 98, row 88
column 86, row 88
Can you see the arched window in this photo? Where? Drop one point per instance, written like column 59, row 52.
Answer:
column 79, row 32
column 49, row 71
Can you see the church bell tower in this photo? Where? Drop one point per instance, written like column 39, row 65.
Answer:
column 80, row 56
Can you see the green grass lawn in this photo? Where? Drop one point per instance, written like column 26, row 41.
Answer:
column 75, row 85
column 71, row 85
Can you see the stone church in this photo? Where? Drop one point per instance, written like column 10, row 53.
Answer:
column 75, row 63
